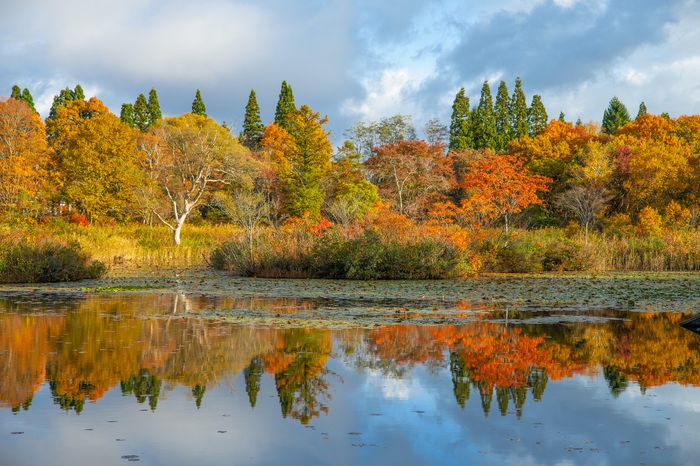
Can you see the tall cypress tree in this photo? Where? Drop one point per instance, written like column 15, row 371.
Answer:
column 61, row 99
column 483, row 124
column 642, row 110
column 141, row 115
column 154, row 113
column 27, row 98
column 198, row 107
column 16, row 92
column 519, row 123
column 460, row 125
column 615, row 116
column 127, row 114
column 537, row 116
column 502, row 117
column 78, row 93
column 562, row 117
column 252, row 124
column 285, row 105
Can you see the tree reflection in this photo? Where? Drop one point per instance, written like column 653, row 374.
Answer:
column 95, row 344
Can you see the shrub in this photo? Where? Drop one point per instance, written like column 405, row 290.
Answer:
column 46, row 263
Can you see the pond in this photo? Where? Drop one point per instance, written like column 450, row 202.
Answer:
column 214, row 370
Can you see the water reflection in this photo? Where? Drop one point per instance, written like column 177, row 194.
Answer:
column 84, row 347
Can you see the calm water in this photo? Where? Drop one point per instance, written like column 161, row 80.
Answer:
column 117, row 378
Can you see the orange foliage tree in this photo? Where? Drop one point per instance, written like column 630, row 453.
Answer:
column 500, row 187
column 24, row 156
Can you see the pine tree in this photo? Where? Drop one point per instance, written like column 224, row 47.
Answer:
column 502, row 117
column 127, row 114
column 460, row 125
column 537, row 116
column 642, row 110
column 27, row 98
column 141, row 113
column 562, row 117
column 579, row 123
column 285, row 105
column 519, row 123
column 252, row 124
column 483, row 124
column 16, row 92
column 615, row 116
column 78, row 93
column 154, row 113
column 666, row 115
column 198, row 107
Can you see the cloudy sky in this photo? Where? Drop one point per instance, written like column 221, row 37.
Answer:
column 356, row 60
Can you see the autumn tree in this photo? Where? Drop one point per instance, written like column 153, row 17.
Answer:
column 24, row 157
column 435, row 132
column 95, row 159
column 460, row 124
column 198, row 155
column 388, row 130
column 502, row 118
column 252, row 124
column 586, row 202
column 285, row 105
column 198, row 107
column 410, row 174
column 519, row 124
column 483, row 124
column 615, row 116
column 500, row 187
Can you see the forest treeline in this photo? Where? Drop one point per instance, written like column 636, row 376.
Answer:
column 502, row 187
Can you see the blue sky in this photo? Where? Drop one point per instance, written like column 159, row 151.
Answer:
column 356, row 60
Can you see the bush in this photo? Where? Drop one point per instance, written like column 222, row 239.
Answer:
column 46, row 263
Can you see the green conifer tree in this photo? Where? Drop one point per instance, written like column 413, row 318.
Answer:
column 285, row 105
column 537, row 116
column 198, row 107
column 142, row 116
column 615, row 116
column 78, row 93
column 62, row 98
column 519, row 123
column 483, row 124
column 642, row 110
column 579, row 123
column 460, row 125
column 252, row 124
column 666, row 115
column 16, row 92
column 562, row 117
column 27, row 98
column 154, row 113
column 127, row 114
column 502, row 118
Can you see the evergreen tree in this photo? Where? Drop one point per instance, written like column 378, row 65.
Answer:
column 562, row 117
column 642, row 110
column 615, row 116
column 460, row 125
column 78, row 93
column 127, row 114
column 154, row 113
column 141, row 114
column 61, row 99
column 519, row 123
column 285, row 105
column 579, row 123
column 666, row 115
column 537, row 116
column 198, row 107
column 27, row 98
column 16, row 92
column 252, row 124
column 483, row 124
column 502, row 117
